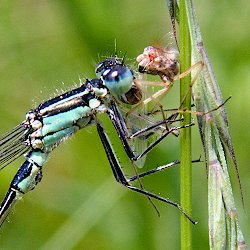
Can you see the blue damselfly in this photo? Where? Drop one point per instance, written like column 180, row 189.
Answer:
column 55, row 120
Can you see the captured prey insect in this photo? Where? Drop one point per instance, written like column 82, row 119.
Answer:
column 164, row 62
column 53, row 121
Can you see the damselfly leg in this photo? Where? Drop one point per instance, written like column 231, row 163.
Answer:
column 121, row 129
column 120, row 177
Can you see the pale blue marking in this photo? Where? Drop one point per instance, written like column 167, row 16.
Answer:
column 63, row 120
column 55, row 138
column 38, row 157
column 120, row 83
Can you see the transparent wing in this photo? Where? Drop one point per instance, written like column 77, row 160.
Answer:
column 138, row 119
column 136, row 123
column 12, row 144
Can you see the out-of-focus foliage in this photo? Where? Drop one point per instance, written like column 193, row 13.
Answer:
column 45, row 43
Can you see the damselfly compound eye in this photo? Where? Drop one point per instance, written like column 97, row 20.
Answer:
column 118, row 80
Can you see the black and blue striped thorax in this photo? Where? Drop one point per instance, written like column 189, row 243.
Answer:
column 60, row 117
column 82, row 96
column 88, row 95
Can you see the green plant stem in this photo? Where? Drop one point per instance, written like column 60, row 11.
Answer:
column 185, row 137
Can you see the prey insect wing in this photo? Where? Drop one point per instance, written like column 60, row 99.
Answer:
column 137, row 121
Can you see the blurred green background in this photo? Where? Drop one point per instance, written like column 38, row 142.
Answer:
column 78, row 205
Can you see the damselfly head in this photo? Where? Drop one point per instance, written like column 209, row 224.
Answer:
column 117, row 77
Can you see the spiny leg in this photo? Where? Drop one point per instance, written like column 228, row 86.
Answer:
column 142, row 187
column 197, row 113
column 156, row 98
column 120, row 127
column 153, row 98
column 158, row 169
column 120, row 177
column 161, row 93
column 123, row 135
column 152, row 145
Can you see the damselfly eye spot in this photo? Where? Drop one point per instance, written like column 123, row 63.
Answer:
column 116, row 74
column 105, row 65
column 118, row 80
